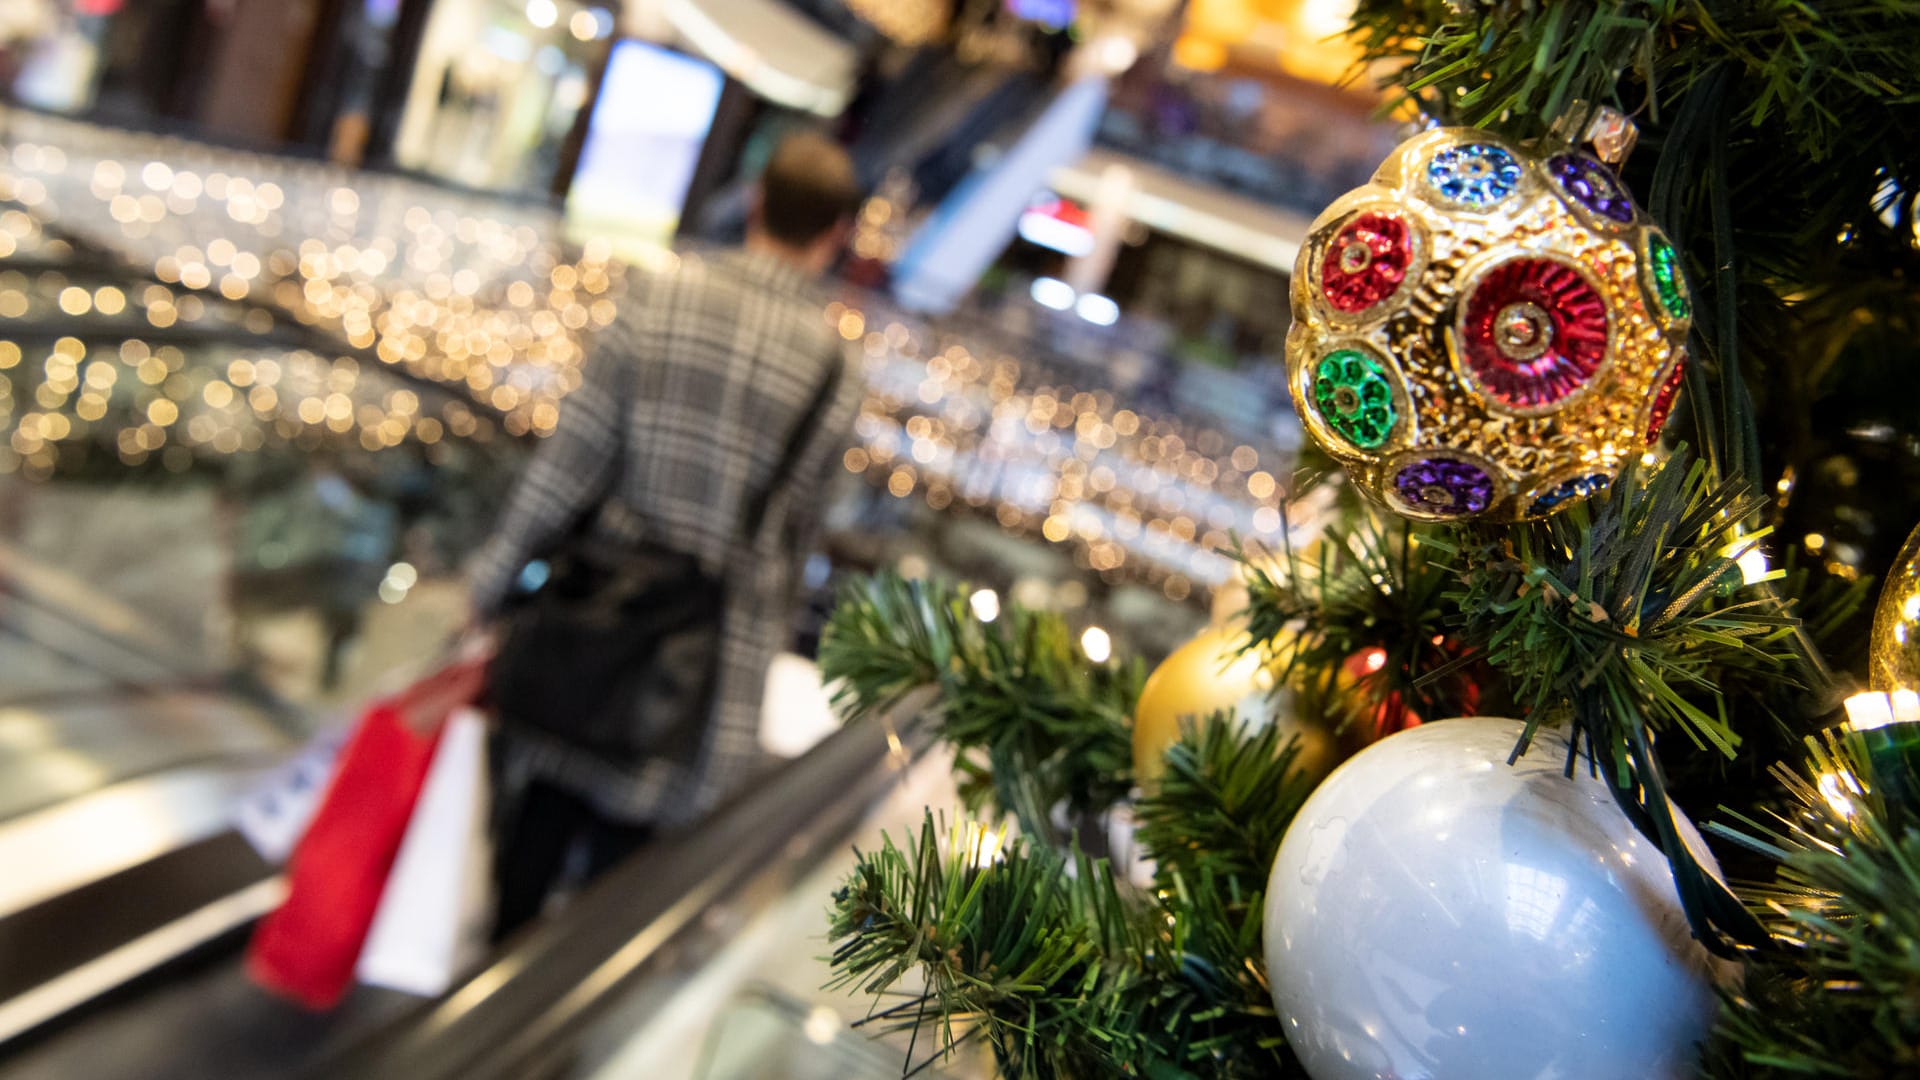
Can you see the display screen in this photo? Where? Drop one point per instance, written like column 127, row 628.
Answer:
column 643, row 142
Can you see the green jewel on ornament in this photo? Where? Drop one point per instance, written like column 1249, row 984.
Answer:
column 1667, row 281
column 1354, row 397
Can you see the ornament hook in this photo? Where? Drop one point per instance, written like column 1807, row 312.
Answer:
column 1609, row 132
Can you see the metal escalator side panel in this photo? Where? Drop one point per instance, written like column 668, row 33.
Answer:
column 97, row 835
column 70, row 748
column 136, row 645
column 70, row 948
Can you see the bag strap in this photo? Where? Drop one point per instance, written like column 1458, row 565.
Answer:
column 796, row 444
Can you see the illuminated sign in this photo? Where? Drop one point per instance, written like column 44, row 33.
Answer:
column 1057, row 225
column 649, row 125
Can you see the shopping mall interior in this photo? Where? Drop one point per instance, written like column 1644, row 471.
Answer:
column 291, row 291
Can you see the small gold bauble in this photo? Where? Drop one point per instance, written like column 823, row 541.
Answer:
column 1483, row 333
column 1210, row 674
column 1893, row 661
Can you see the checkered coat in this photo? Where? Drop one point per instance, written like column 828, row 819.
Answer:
column 685, row 410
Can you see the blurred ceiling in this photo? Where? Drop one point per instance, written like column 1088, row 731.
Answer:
column 777, row 52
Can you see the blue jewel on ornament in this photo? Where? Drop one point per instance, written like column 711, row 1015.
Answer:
column 1579, row 487
column 1473, row 175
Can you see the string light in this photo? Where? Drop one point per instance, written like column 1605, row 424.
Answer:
column 1097, row 644
column 476, row 296
column 985, row 604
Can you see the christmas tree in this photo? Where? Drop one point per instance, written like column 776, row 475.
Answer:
column 1491, row 339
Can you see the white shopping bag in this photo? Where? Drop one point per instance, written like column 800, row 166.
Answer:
column 274, row 816
column 432, row 920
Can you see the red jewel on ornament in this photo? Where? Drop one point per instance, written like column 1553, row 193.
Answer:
column 1535, row 331
column 1663, row 401
column 1366, row 262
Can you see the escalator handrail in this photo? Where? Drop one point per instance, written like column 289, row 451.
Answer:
column 553, row 981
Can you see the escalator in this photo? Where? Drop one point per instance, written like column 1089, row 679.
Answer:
column 569, row 997
column 120, row 762
column 657, row 947
column 127, row 739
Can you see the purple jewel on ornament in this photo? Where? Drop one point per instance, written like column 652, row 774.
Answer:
column 1444, row 487
column 1593, row 186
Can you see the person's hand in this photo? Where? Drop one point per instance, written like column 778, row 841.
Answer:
column 477, row 636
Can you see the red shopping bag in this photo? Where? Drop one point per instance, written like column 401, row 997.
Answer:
column 307, row 948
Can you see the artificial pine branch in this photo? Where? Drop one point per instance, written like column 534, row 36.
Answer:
column 1223, row 803
column 1008, row 943
column 1061, row 970
column 1620, row 613
column 1840, row 994
column 1036, row 724
column 1368, row 584
column 1633, row 597
column 1212, row 825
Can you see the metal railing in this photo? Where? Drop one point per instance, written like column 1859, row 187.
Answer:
column 525, row 1011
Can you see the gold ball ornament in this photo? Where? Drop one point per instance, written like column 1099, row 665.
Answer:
column 1484, row 333
column 1893, row 655
column 1207, row 675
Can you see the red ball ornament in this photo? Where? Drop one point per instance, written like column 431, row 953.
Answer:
column 1361, row 675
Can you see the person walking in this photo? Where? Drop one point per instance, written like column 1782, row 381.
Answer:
column 670, row 512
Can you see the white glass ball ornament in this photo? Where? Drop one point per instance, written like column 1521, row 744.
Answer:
column 1435, row 914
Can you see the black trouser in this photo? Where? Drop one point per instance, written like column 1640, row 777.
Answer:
column 537, row 834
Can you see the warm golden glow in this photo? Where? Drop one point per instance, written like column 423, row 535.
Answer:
column 1304, row 38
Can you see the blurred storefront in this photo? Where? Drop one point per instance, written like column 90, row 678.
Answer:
column 496, row 88
column 493, row 95
column 230, row 69
column 1162, row 237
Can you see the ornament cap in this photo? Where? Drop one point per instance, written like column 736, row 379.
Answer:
column 1610, row 133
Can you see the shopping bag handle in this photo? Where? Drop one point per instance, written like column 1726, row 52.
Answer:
column 459, row 681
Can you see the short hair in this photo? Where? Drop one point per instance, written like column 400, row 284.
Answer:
column 808, row 187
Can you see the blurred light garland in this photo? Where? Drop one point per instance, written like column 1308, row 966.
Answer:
column 479, row 295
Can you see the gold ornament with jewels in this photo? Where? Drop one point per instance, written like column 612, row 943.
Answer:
column 1481, row 332
column 1207, row 675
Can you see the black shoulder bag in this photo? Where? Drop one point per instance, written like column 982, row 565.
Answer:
column 618, row 651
